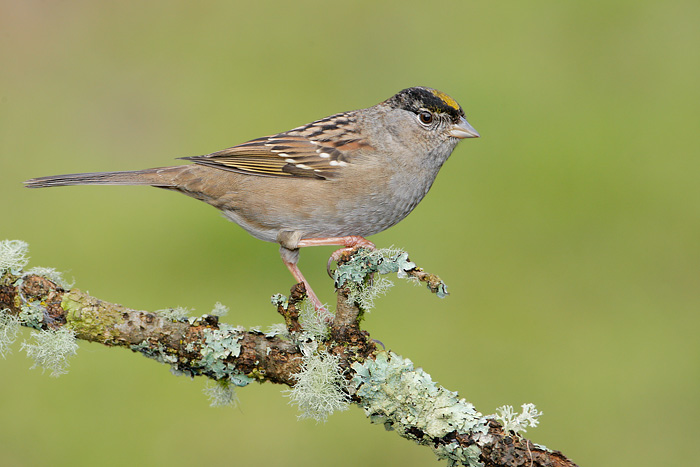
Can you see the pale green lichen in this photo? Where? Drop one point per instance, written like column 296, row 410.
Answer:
column 51, row 350
column 32, row 314
column 356, row 274
column 515, row 422
column 159, row 353
column 13, row 256
column 221, row 393
column 240, row 380
column 218, row 345
column 53, row 275
column 279, row 299
column 313, row 323
column 366, row 262
column 442, row 290
column 9, row 328
column 219, row 310
column 277, row 329
column 320, row 388
column 141, row 347
column 179, row 313
column 405, row 399
column 457, row 455
column 365, row 294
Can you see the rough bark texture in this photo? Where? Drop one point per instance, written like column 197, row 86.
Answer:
column 276, row 359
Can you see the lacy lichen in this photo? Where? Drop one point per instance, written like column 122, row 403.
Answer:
column 9, row 328
column 51, row 350
column 512, row 421
column 13, row 255
column 53, row 275
column 320, row 387
column 312, row 322
column 219, row 309
column 221, row 393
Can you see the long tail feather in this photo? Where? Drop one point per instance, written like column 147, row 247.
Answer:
column 136, row 177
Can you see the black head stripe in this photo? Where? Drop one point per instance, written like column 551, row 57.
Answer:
column 417, row 98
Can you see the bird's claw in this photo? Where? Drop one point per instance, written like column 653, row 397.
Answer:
column 344, row 253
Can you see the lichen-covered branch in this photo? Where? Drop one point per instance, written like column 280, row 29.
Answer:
column 326, row 365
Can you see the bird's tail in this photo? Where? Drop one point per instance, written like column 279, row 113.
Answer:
column 153, row 177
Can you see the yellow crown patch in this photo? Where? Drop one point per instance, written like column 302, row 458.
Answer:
column 446, row 99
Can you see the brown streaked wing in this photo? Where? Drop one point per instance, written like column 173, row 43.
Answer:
column 316, row 150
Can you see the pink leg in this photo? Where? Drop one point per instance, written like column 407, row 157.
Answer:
column 299, row 277
column 350, row 243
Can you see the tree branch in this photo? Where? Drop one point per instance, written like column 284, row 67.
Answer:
column 387, row 386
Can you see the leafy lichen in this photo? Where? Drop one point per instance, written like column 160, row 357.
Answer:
column 157, row 352
column 457, row 455
column 277, row 329
column 442, row 290
column 218, row 345
column 405, row 399
column 279, row 299
column 178, row 313
column 241, row 380
column 357, row 273
column 32, row 314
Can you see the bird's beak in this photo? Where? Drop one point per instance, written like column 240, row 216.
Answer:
column 463, row 129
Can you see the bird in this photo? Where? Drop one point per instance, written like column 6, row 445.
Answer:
column 333, row 181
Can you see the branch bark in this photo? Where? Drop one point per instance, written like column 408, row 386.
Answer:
column 384, row 384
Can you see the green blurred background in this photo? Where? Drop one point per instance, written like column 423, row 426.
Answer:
column 568, row 234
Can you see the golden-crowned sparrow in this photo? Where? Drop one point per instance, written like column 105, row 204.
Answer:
column 330, row 182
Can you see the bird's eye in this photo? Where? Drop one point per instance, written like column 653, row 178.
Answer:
column 425, row 117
